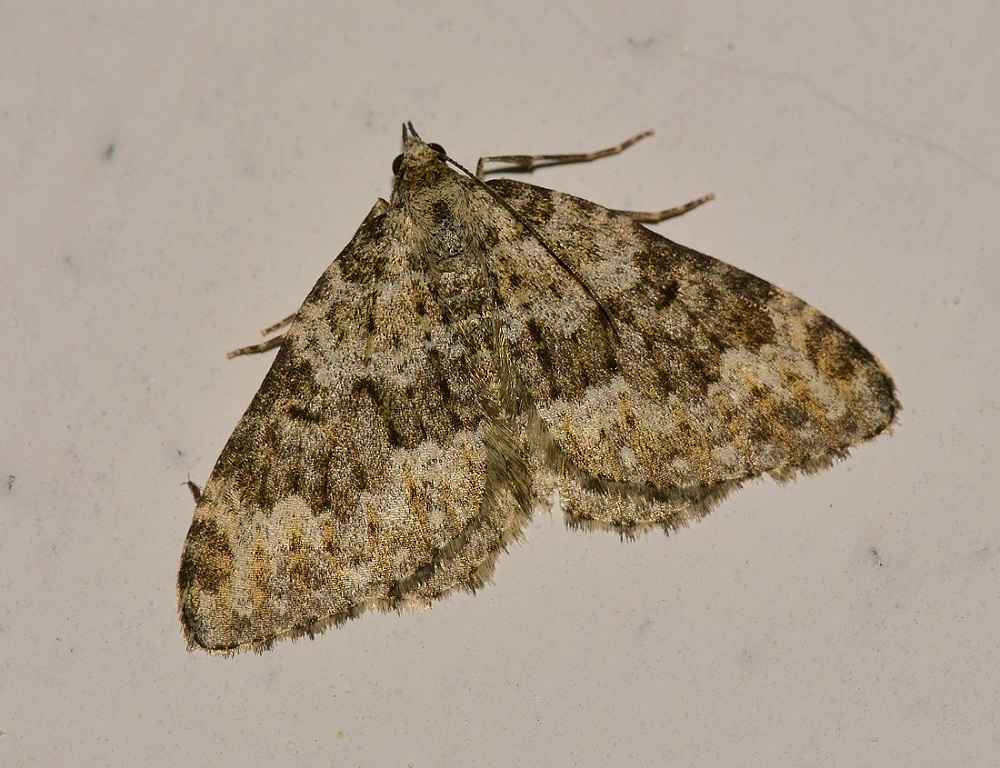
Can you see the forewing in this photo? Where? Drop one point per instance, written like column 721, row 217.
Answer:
column 663, row 375
column 362, row 474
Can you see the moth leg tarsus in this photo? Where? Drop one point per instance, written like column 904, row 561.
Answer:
column 278, row 325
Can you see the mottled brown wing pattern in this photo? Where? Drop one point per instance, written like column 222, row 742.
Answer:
column 664, row 375
column 474, row 348
column 365, row 473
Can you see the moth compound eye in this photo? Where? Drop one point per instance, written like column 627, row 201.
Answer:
column 397, row 164
column 437, row 148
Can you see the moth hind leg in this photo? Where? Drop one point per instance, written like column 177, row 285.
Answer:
column 652, row 217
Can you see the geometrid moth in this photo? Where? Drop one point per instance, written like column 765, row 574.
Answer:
column 477, row 345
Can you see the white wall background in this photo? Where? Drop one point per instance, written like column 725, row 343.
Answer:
column 175, row 176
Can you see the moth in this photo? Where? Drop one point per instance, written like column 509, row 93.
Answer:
column 475, row 347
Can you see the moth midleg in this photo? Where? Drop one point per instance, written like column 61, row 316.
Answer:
column 527, row 163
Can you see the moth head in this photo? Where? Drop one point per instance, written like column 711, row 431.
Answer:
column 397, row 163
column 416, row 151
column 420, row 161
